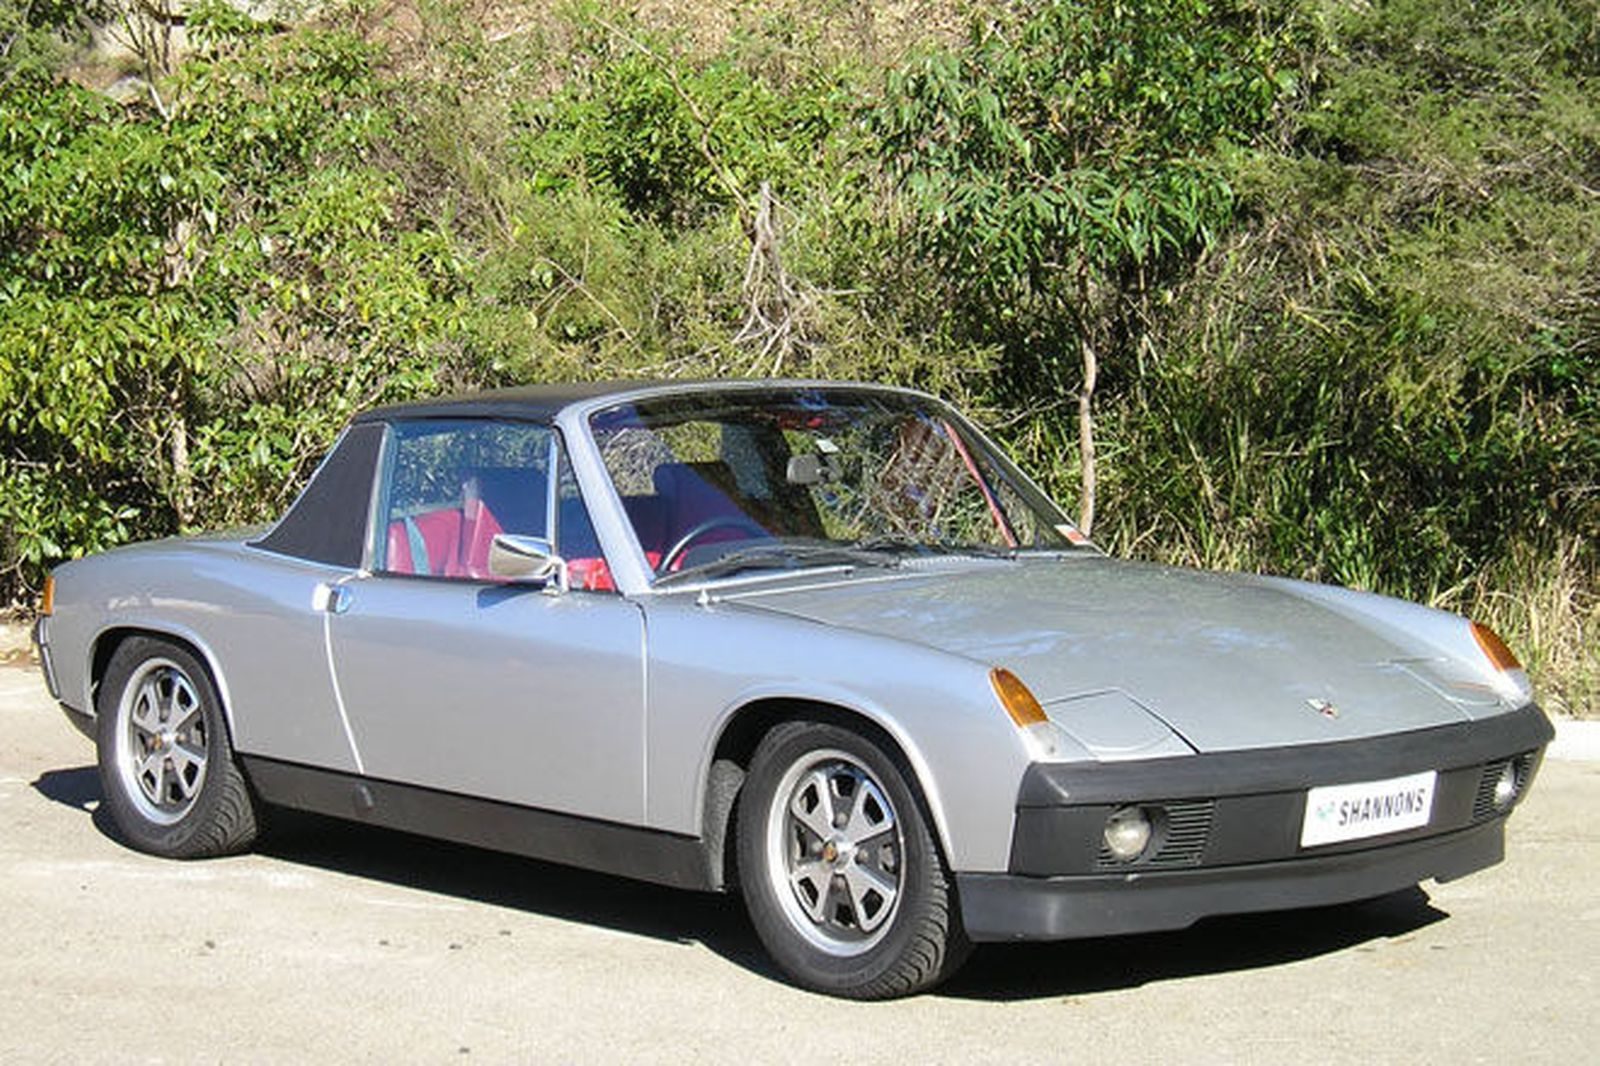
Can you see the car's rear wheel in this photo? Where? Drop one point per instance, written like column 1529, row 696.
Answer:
column 840, row 872
column 166, row 764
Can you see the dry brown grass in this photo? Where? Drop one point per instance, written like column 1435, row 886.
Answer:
column 1552, row 621
column 16, row 647
column 880, row 31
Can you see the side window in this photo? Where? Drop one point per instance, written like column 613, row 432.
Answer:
column 452, row 485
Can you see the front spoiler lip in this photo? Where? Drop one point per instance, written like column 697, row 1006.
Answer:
column 1287, row 768
column 998, row 907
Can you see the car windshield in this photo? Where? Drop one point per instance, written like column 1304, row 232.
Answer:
column 783, row 478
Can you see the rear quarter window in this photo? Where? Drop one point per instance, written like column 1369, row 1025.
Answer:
column 328, row 522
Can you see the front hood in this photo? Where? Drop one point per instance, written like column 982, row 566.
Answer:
column 1115, row 649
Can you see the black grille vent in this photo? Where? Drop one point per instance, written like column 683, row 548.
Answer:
column 1182, row 832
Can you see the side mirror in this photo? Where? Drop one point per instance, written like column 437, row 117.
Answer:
column 804, row 469
column 812, row 468
column 530, row 559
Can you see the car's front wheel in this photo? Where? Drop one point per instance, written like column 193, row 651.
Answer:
column 166, row 764
column 840, row 872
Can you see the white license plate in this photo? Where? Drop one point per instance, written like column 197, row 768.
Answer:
column 1367, row 809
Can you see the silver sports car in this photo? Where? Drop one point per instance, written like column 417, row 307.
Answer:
column 819, row 644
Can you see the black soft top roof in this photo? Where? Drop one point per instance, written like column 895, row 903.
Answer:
column 534, row 402
column 541, row 404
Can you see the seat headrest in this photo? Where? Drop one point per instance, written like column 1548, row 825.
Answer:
column 515, row 495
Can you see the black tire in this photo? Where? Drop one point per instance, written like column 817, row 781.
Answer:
column 166, row 764
column 841, row 939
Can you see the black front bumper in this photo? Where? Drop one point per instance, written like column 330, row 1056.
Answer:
column 1227, row 836
column 41, row 643
column 1013, row 907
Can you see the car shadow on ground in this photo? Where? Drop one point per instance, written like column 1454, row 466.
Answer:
column 502, row 880
column 996, row 972
column 78, row 788
column 408, row 861
column 1212, row 946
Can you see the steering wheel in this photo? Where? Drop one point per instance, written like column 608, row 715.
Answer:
column 676, row 553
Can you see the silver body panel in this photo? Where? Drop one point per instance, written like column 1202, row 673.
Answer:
column 504, row 693
column 1225, row 661
column 523, row 697
column 708, row 660
column 248, row 612
column 610, row 705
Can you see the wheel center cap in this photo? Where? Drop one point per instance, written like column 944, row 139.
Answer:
column 166, row 739
column 838, row 852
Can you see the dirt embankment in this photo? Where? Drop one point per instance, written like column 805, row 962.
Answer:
column 16, row 648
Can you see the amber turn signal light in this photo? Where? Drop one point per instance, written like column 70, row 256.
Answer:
column 1495, row 648
column 47, row 599
column 1019, row 703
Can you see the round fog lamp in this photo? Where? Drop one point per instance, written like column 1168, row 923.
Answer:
column 1127, row 833
column 1505, row 786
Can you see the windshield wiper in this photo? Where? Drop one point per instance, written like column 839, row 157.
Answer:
column 902, row 543
column 777, row 557
column 980, row 551
column 892, row 543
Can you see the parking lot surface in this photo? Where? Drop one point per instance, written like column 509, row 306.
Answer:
column 344, row 943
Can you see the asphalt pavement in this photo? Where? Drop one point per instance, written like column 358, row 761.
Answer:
column 343, row 943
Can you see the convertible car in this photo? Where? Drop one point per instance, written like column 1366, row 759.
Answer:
column 819, row 644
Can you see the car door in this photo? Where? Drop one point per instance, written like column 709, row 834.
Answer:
column 455, row 681
column 272, row 638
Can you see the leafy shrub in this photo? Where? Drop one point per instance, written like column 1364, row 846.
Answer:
column 1385, row 376
column 1337, row 261
column 1068, row 158
column 191, row 303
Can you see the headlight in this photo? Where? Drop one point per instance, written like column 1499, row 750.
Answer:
column 1505, row 786
column 1511, row 781
column 1128, row 833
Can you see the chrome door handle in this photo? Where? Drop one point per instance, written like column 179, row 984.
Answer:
column 334, row 599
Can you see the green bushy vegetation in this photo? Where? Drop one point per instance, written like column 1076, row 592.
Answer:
column 198, row 288
column 1332, row 267
column 1386, row 374
column 1060, row 164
